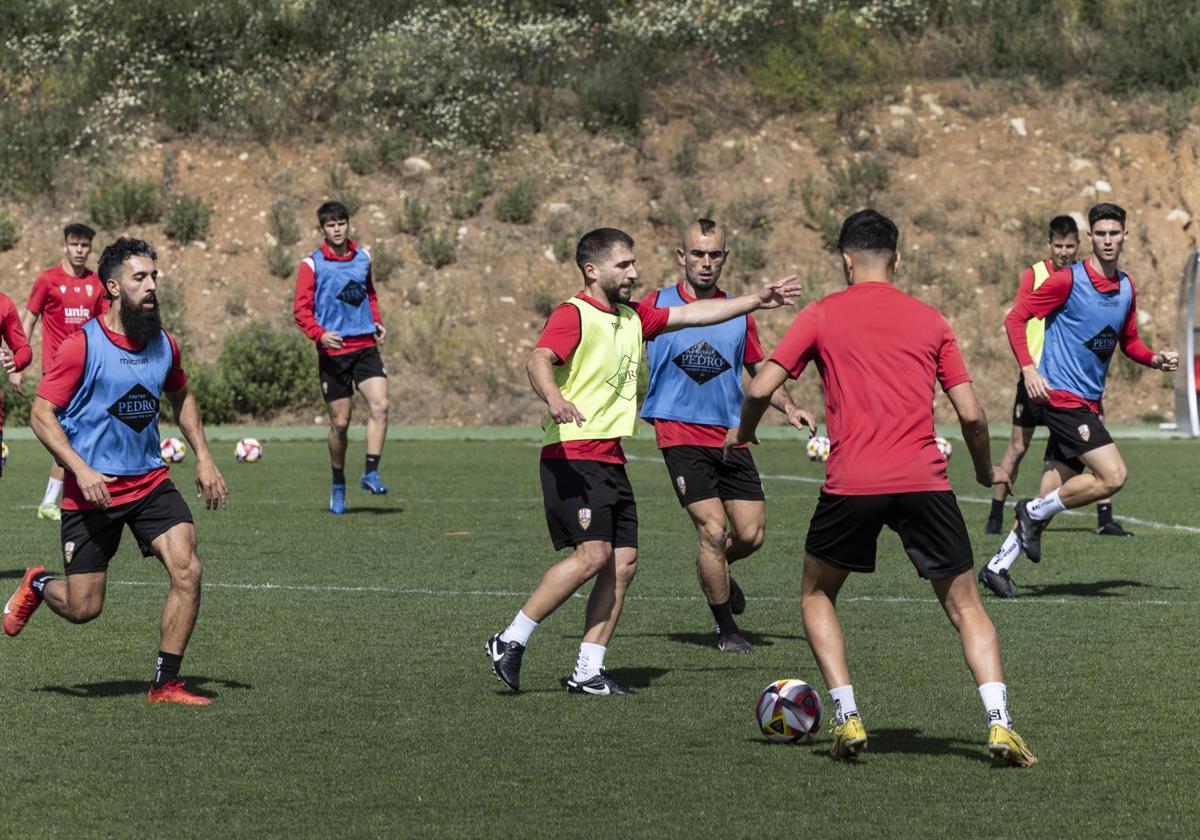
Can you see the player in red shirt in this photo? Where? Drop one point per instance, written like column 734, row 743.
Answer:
column 97, row 411
column 16, row 356
column 880, row 353
column 63, row 297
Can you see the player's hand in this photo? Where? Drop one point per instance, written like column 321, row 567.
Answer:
column 779, row 293
column 565, row 412
column 998, row 476
column 15, row 379
column 734, row 438
column 1035, row 385
column 94, row 486
column 1166, row 360
column 799, row 418
column 6, row 360
column 380, row 332
column 332, row 340
column 210, row 485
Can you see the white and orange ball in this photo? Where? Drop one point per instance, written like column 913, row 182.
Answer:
column 944, row 447
column 247, row 451
column 789, row 711
column 173, row 450
column 817, row 448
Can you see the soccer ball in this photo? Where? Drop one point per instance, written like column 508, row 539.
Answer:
column 173, row 450
column 247, row 451
column 944, row 447
column 3, row 453
column 789, row 711
column 817, row 448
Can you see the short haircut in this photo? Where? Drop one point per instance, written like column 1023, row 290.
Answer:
column 707, row 226
column 1062, row 227
column 596, row 244
column 78, row 230
column 115, row 255
column 332, row 211
column 868, row 230
column 1103, row 211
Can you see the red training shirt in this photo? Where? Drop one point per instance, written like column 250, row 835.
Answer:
column 1050, row 296
column 561, row 335
column 304, row 296
column 64, row 303
column 879, row 353
column 12, row 335
column 677, row 432
column 59, row 385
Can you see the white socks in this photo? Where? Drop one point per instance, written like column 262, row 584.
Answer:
column 1007, row 555
column 590, row 661
column 520, row 630
column 53, row 488
column 995, row 704
column 843, row 702
column 1043, row 508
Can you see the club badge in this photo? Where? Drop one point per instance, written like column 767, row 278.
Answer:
column 1084, row 432
column 585, row 518
column 681, row 485
column 68, row 552
column 1019, row 410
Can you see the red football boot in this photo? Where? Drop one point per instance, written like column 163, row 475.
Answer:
column 22, row 603
column 174, row 692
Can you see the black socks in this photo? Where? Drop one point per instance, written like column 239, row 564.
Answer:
column 166, row 668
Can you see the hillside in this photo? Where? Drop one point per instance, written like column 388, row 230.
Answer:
column 970, row 172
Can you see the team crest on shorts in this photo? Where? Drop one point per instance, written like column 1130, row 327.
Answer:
column 68, row 552
column 585, row 518
column 681, row 485
column 1084, row 432
column 1020, row 410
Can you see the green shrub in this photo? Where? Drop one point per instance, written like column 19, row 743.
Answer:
column 17, row 404
column 415, row 218
column 437, row 248
column 207, row 384
column 187, row 219
column 267, row 371
column 686, row 160
column 748, row 214
column 362, row 159
column 116, row 202
column 283, row 225
column 464, row 205
column 280, row 262
column 749, row 257
column 341, row 189
column 612, row 95
column 391, row 148
column 468, row 199
column 517, row 204
column 858, row 183
column 9, row 234
column 384, row 264
column 821, row 217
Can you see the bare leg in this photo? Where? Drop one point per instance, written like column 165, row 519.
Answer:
column 339, row 426
column 608, row 596
column 1106, row 476
column 708, row 515
column 563, row 579
column 747, row 526
column 980, row 643
column 176, row 550
column 818, row 601
column 1018, row 445
column 77, row 598
column 375, row 392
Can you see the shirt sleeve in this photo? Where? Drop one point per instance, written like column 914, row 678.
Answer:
column 15, row 336
column 951, row 369
column 371, row 298
column 754, row 351
column 37, row 295
column 302, row 302
column 799, row 344
column 60, row 382
column 176, row 378
column 562, row 332
column 654, row 320
column 1131, row 343
column 1036, row 304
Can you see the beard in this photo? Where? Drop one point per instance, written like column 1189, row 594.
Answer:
column 140, row 324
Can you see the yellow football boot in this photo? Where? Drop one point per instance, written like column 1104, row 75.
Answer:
column 849, row 739
column 1006, row 745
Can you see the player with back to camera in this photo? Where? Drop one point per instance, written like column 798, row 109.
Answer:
column 1063, row 241
column 880, row 353
column 1090, row 309
column 694, row 396
column 585, row 368
column 16, row 356
column 334, row 305
column 97, row 411
column 64, row 297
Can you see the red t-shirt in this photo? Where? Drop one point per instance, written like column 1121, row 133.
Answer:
column 879, row 353
column 1051, row 295
column 677, row 432
column 561, row 336
column 65, row 302
column 59, row 385
column 12, row 335
column 304, row 296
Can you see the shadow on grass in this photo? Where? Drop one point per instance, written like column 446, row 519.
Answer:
column 1095, row 589
column 709, row 640
column 128, row 688
column 12, row 574
column 635, row 678
column 896, row 742
column 377, row 511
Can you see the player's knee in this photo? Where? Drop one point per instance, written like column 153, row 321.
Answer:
column 379, row 410
column 1114, row 480
column 340, row 426
column 748, row 540
column 188, row 576
column 713, row 536
column 84, row 611
column 626, row 570
column 594, row 556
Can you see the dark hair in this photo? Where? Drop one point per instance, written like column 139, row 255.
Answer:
column 597, row 243
column 707, row 226
column 868, row 230
column 1063, row 226
column 115, row 255
column 332, row 211
column 1103, row 211
column 78, row 230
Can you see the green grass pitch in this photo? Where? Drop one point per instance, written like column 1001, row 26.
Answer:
column 352, row 696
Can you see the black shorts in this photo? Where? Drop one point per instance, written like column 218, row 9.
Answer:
column 588, row 500
column 844, row 530
column 1027, row 413
column 698, row 473
column 340, row 374
column 90, row 538
column 1073, row 431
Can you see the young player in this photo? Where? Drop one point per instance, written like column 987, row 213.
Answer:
column 1090, row 308
column 693, row 397
column 335, row 306
column 63, row 297
column 15, row 356
column 1063, row 241
column 585, row 368
column 880, row 353
column 96, row 410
